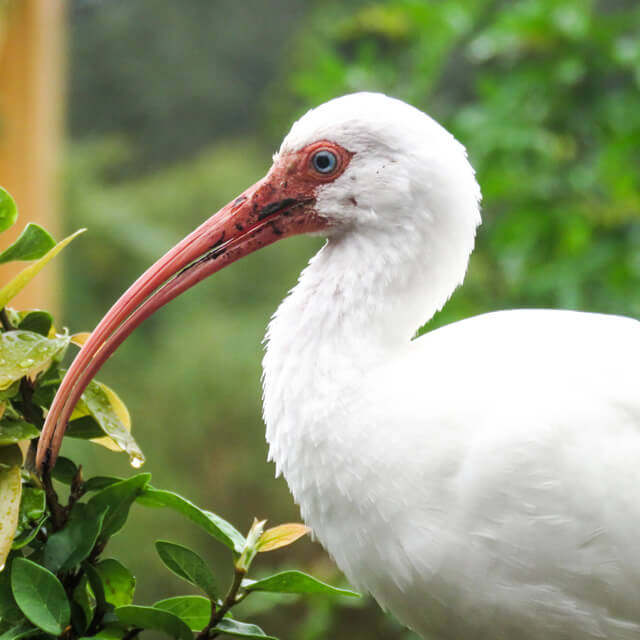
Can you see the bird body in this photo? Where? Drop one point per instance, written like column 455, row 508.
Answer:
column 472, row 496
column 479, row 481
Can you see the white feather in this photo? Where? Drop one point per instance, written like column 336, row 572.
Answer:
column 481, row 480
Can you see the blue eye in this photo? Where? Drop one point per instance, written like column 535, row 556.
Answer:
column 324, row 161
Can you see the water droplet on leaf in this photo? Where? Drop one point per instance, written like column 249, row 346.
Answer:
column 136, row 461
column 27, row 362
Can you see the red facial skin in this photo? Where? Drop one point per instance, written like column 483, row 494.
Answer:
column 282, row 204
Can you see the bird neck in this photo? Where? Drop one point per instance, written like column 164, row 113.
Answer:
column 357, row 304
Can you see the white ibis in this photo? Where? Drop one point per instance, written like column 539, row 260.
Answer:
column 481, row 481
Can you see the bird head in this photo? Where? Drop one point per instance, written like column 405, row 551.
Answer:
column 362, row 163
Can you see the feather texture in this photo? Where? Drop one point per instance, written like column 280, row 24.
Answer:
column 479, row 481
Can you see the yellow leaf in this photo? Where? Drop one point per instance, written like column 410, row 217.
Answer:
column 121, row 412
column 10, row 493
column 25, row 276
column 24, row 447
column 281, row 536
column 80, row 338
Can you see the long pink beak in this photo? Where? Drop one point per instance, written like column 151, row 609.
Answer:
column 264, row 213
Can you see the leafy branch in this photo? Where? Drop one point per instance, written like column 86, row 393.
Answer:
column 54, row 578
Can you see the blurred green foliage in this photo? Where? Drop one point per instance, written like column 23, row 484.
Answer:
column 544, row 94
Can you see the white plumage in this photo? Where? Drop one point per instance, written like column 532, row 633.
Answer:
column 480, row 481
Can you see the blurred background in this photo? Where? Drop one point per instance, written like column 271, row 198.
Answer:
column 142, row 117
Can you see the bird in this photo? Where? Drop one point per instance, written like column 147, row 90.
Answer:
column 480, row 481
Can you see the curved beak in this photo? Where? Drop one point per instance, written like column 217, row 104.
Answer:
column 264, row 213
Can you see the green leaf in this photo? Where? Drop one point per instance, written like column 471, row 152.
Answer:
column 97, row 483
column 241, row 629
column 10, row 456
column 33, row 503
column 81, row 608
column 98, row 402
column 70, row 546
column 194, row 611
column 116, row 500
column 150, row 618
column 295, row 582
column 108, row 633
column 37, row 321
column 33, row 243
column 25, row 353
column 8, row 210
column 187, row 564
column 47, row 384
column 12, row 431
column 118, row 582
column 10, row 392
column 64, row 471
column 84, row 428
column 213, row 524
column 21, row 630
column 18, row 283
column 40, row 596
column 32, row 506
column 9, row 610
column 28, row 535
column 10, row 493
column 97, row 588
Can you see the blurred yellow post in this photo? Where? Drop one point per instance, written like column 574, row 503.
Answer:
column 31, row 118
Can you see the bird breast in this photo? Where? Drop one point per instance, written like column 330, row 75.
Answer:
column 479, row 483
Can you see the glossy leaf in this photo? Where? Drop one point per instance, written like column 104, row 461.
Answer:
column 10, row 456
column 11, row 391
column 194, row 611
column 28, row 535
column 116, row 500
column 118, row 582
column 71, row 545
column 10, row 492
column 281, row 536
column 213, row 524
column 97, row 483
column 10, row 290
column 9, row 610
column 8, row 210
column 40, row 596
column 47, row 384
column 32, row 507
column 37, row 321
column 95, row 583
column 295, row 582
column 21, row 630
column 81, row 606
column 33, row 243
column 25, row 353
column 187, row 564
column 151, row 618
column 12, row 431
column 241, row 629
column 84, row 428
column 102, row 403
column 64, row 471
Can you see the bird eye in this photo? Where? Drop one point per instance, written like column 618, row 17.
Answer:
column 324, row 161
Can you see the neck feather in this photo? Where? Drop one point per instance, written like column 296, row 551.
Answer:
column 359, row 302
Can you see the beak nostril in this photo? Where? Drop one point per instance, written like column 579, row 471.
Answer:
column 238, row 201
